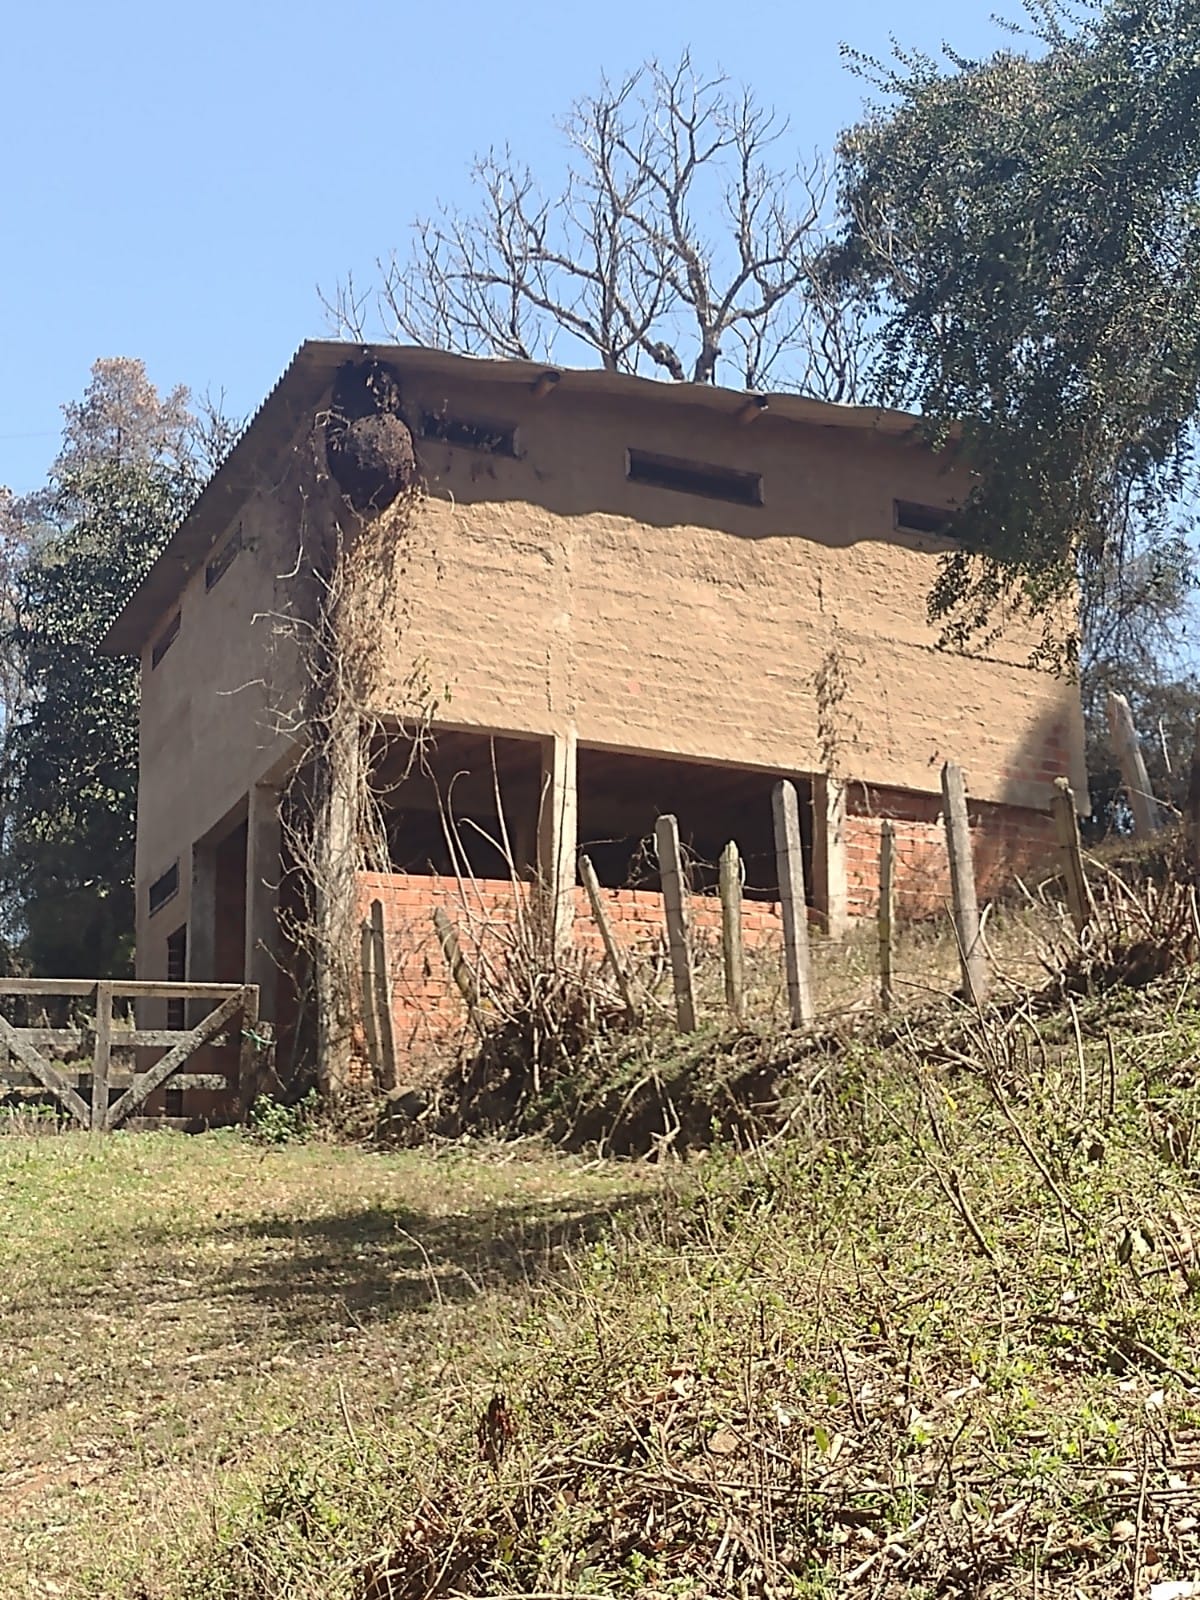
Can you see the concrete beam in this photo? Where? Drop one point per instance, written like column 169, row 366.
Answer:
column 202, row 916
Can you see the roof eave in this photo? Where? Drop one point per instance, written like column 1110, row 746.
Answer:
column 307, row 376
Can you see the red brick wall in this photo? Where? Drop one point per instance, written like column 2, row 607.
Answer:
column 429, row 1015
column 426, row 1008
column 1007, row 841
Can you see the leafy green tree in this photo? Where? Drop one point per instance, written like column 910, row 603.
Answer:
column 131, row 463
column 72, row 747
column 1026, row 230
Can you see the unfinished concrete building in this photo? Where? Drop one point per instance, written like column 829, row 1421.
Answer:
column 602, row 598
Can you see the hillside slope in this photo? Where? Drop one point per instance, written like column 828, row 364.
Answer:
column 938, row 1338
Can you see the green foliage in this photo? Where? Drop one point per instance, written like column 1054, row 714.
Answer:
column 1026, row 228
column 70, row 555
column 71, row 747
column 1165, row 708
column 277, row 1122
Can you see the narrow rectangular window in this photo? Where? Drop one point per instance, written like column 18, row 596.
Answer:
column 164, row 888
column 695, row 477
column 223, row 560
column 165, row 640
column 911, row 517
column 493, row 438
column 176, row 973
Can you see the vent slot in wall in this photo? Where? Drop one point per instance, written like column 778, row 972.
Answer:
column 165, row 640
column 164, row 888
column 695, row 477
column 912, row 517
column 492, row 438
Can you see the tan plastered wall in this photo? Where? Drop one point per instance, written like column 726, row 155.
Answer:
column 548, row 591
column 212, row 710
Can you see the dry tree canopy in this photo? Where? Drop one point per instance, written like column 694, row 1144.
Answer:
column 684, row 238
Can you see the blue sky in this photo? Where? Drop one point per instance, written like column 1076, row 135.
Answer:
column 178, row 179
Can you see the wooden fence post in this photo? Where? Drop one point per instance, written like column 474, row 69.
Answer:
column 887, row 910
column 250, row 1071
column 611, row 949
column 962, row 885
column 1128, row 752
column 381, row 972
column 102, row 1056
column 793, row 901
column 731, row 931
column 1066, row 826
column 460, row 969
column 670, row 868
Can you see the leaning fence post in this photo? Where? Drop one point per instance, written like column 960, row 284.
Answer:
column 670, row 868
column 962, row 885
column 793, row 901
column 1066, row 825
column 102, row 1056
column 460, row 969
column 887, row 910
column 731, row 931
column 1128, row 750
column 611, row 949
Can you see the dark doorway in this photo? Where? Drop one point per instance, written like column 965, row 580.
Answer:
column 622, row 796
column 465, row 802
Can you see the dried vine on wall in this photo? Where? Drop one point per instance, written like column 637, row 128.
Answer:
column 358, row 506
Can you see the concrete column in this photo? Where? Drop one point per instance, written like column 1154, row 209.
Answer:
column 830, row 894
column 558, row 830
column 201, row 961
column 202, row 916
column 263, row 873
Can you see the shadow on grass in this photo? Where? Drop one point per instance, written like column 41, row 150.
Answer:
column 378, row 1264
column 282, row 1281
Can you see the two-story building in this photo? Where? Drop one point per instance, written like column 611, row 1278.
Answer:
column 618, row 597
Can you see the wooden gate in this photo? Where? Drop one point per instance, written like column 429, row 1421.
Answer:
column 88, row 1075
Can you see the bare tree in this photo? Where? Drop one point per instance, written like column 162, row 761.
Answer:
column 123, row 419
column 675, row 245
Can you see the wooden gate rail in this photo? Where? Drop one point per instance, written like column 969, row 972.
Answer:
column 27, row 1044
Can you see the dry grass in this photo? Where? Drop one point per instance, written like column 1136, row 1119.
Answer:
column 177, row 1313
column 935, row 1336
column 941, row 1342
column 926, row 967
column 560, row 1055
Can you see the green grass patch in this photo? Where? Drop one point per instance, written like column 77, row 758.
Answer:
column 936, row 1336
